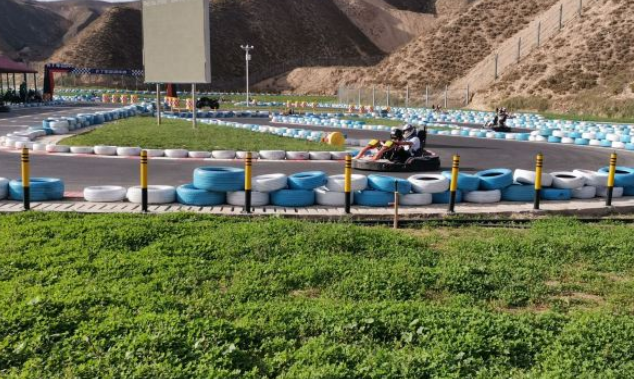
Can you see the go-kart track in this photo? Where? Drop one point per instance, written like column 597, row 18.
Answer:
column 477, row 154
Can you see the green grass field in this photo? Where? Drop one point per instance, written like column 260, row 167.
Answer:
column 179, row 134
column 190, row 296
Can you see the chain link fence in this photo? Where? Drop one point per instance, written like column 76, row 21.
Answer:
column 385, row 96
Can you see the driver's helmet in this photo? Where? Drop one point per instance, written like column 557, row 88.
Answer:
column 408, row 131
column 396, row 134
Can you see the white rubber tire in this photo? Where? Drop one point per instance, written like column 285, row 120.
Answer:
column 483, row 197
column 415, row 199
column 528, row 177
column 587, row 192
column 320, row 156
column 82, row 149
column 330, row 198
column 59, row 124
column 297, row 155
column 593, row 178
column 176, row 153
column 258, row 199
column 57, row 149
column 22, row 144
column 155, row 153
column 270, row 182
column 568, row 180
column 603, row 192
column 4, row 188
column 156, row 194
column 567, row 141
column 106, row 150
column 128, row 151
column 199, row 154
column 273, row 155
column 336, row 183
column 429, row 183
column 224, row 154
column 243, row 155
column 104, row 194
column 39, row 147
column 339, row 155
column 618, row 145
column 595, row 142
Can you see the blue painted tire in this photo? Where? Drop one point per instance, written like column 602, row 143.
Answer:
column 556, row 194
column 582, row 141
column 629, row 146
column 628, row 191
column 388, row 184
column 42, row 189
column 219, row 179
column 307, row 180
column 444, row 197
column 495, row 179
column 293, row 198
column 466, row 182
column 519, row 193
column 606, row 143
column 554, row 139
column 371, row 198
column 189, row 195
column 522, row 137
column 624, row 176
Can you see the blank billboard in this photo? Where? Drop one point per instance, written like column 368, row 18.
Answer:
column 176, row 41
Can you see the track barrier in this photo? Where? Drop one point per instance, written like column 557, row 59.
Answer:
column 248, row 164
column 26, row 179
column 144, row 181
column 538, row 180
column 348, row 183
column 453, row 187
column 611, row 176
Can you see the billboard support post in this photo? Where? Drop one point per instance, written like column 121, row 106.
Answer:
column 194, row 110
column 158, row 104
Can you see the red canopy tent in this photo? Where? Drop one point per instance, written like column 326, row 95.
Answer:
column 8, row 66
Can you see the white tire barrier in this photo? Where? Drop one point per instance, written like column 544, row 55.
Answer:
column 336, row 183
column 428, row 183
column 223, row 154
column 128, row 151
column 568, row 180
column 270, row 182
column 587, row 192
column 528, row 177
column 243, row 155
column 176, row 153
column 339, row 155
column 415, row 199
column 567, row 141
column 21, row 144
column 155, row 153
column 57, row 149
column 297, row 155
column 82, row 149
column 483, row 197
column 106, row 150
column 258, row 199
column 616, row 193
column 199, row 154
column 104, row 194
column 4, row 188
column 156, row 194
column 320, row 155
column 593, row 178
column 273, row 155
column 39, row 147
column 329, row 198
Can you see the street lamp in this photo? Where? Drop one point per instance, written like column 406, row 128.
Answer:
column 247, row 58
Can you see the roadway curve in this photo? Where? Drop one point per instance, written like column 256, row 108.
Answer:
column 476, row 154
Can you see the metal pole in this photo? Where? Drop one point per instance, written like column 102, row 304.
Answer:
column 446, row 96
column 538, row 180
column 373, row 96
column 453, row 188
column 194, row 105
column 497, row 57
column 611, row 176
column 247, row 58
column 144, row 182
column 466, row 103
column 561, row 16
column 388, row 96
column 26, row 180
column 519, row 49
column 348, row 183
column 539, row 33
column 248, row 163
column 426, row 96
column 580, row 8
column 35, row 82
column 407, row 97
column 158, row 104
column 359, row 100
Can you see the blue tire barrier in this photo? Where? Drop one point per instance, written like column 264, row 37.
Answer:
column 495, row 179
column 307, row 180
column 554, row 139
column 293, row 198
column 582, row 141
column 606, row 143
column 628, row 191
column 371, row 198
column 445, row 197
column 556, row 194
column 466, row 182
column 522, row 137
column 519, row 193
column 219, row 179
column 574, row 135
column 626, row 139
column 388, row 184
column 629, row 146
column 42, row 189
column 624, row 176
column 464, row 133
column 189, row 195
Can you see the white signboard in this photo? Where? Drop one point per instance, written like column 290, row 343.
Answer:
column 176, row 41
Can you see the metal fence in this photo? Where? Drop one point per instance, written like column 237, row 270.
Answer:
column 386, row 96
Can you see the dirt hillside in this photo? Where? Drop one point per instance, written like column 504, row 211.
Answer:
column 588, row 68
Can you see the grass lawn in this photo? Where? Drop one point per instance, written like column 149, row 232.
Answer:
column 179, row 134
column 192, row 296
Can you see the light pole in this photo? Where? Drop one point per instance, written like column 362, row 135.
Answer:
column 247, row 58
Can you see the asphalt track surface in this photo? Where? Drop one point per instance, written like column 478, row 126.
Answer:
column 476, row 154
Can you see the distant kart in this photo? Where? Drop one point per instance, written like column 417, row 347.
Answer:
column 430, row 161
column 206, row 102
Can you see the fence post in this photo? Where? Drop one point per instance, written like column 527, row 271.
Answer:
column 580, row 8
column 446, row 96
column 373, row 96
column 497, row 57
column 407, row 96
column 426, row 96
column 611, row 176
column 466, row 102
column 519, row 49
column 561, row 16
column 539, row 33
column 538, row 180
column 359, row 100
column 248, row 164
column 388, row 96
column 455, row 170
column 26, row 179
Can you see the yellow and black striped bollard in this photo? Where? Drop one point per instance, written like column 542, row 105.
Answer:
column 248, row 164
column 144, row 182
column 538, row 180
column 611, row 177
column 453, row 189
column 348, row 183
column 26, row 179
